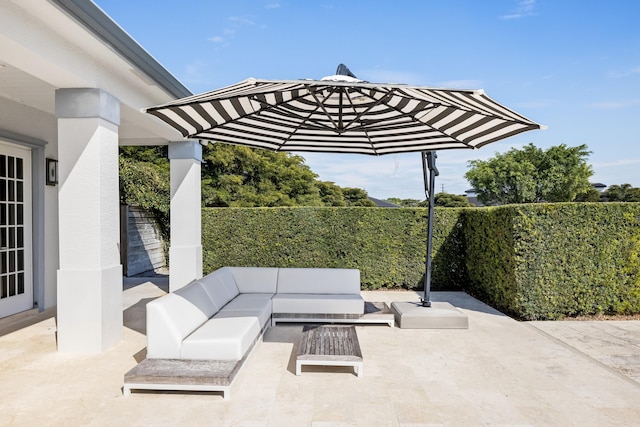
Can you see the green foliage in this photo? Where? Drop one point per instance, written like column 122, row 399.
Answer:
column 564, row 172
column 503, row 179
column 448, row 200
column 549, row 261
column 237, row 176
column 331, row 194
column 531, row 174
column 387, row 245
column 146, row 185
column 234, row 176
column 490, row 261
column 407, row 203
column 157, row 154
column 357, row 197
column 622, row 193
column 591, row 195
column 542, row 261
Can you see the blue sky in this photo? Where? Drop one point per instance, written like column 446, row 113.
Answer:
column 572, row 65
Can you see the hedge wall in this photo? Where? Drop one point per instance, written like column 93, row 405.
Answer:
column 387, row 245
column 547, row 261
column 535, row 261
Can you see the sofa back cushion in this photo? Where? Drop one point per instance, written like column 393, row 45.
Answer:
column 261, row 280
column 220, row 286
column 195, row 293
column 169, row 320
column 318, row 281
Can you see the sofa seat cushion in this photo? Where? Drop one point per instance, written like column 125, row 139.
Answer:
column 249, row 305
column 318, row 303
column 221, row 339
column 250, row 301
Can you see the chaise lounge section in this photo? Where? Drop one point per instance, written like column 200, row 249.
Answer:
column 217, row 317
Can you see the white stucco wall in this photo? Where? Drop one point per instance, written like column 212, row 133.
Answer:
column 51, row 45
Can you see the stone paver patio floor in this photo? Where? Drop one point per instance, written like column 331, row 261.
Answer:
column 498, row 372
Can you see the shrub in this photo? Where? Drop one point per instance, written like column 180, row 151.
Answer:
column 387, row 245
column 534, row 261
column 548, row 261
column 146, row 185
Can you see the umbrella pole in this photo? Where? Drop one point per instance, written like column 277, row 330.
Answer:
column 429, row 173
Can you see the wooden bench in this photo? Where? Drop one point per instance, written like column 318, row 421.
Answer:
column 183, row 375
column 329, row 345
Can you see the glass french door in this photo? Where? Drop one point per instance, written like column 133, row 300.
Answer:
column 16, row 284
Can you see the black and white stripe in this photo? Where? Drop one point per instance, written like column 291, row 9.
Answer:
column 340, row 117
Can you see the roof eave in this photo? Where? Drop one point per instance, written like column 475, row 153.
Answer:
column 102, row 26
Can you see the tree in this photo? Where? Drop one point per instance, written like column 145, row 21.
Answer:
column 155, row 154
column 451, row 201
column 407, row 203
column 242, row 176
column 146, row 184
column 234, row 176
column 622, row 193
column 591, row 195
column 331, row 194
column 531, row 174
column 357, row 197
column 566, row 172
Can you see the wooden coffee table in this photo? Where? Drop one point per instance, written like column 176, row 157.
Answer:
column 329, row 345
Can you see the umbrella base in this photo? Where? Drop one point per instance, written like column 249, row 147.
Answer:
column 441, row 315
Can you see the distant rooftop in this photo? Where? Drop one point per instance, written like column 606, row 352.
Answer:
column 383, row 203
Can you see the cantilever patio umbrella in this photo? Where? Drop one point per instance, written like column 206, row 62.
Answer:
column 342, row 114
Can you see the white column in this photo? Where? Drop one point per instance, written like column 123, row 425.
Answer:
column 90, row 274
column 185, row 253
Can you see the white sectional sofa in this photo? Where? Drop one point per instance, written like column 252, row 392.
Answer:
column 222, row 315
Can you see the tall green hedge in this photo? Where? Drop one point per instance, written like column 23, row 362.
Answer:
column 535, row 261
column 387, row 245
column 547, row 261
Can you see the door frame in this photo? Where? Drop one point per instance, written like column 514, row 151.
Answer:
column 37, row 147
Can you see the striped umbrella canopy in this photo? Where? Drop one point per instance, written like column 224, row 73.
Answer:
column 342, row 114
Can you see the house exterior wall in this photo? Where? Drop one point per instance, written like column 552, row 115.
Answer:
column 72, row 45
